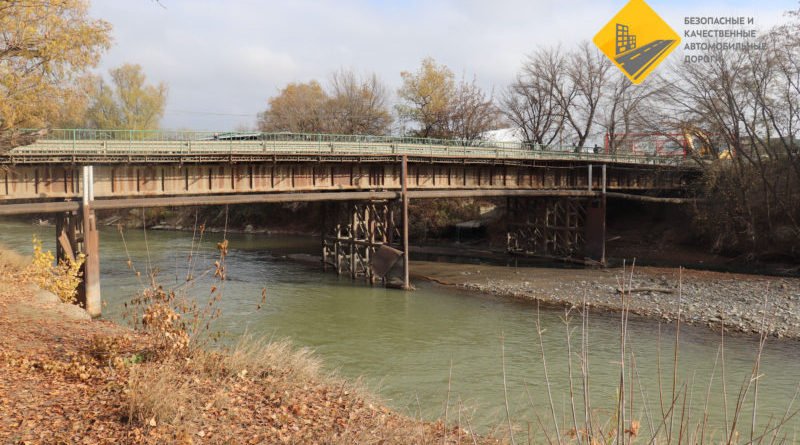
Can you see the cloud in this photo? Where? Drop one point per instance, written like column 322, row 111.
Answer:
column 228, row 57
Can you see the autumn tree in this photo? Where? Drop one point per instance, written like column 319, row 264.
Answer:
column 427, row 97
column 128, row 103
column 357, row 105
column 352, row 105
column 299, row 108
column 44, row 47
column 439, row 107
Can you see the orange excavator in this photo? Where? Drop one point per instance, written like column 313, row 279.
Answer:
column 706, row 150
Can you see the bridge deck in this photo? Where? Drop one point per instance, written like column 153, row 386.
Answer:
column 123, row 147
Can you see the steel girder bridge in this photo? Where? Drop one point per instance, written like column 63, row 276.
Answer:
column 556, row 197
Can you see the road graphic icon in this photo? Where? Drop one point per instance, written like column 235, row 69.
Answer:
column 637, row 40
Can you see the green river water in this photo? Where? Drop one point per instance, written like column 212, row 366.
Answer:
column 406, row 344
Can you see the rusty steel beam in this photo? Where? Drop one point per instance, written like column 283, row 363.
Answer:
column 480, row 193
column 179, row 201
column 39, row 207
column 654, row 199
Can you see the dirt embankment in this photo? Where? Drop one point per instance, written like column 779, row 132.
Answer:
column 67, row 379
column 742, row 303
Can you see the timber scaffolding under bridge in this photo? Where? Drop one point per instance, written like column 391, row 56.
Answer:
column 556, row 198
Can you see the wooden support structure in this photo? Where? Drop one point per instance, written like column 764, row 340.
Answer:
column 571, row 228
column 554, row 228
column 76, row 234
column 91, row 267
column 358, row 236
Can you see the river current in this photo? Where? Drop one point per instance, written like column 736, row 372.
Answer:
column 410, row 347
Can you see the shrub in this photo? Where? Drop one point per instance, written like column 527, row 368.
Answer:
column 62, row 278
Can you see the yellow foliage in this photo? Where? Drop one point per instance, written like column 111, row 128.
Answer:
column 45, row 47
column 298, row 108
column 61, row 279
column 129, row 103
column 427, row 97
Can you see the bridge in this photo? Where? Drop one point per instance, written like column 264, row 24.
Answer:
column 556, row 196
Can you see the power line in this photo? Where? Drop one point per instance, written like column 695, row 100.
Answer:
column 209, row 113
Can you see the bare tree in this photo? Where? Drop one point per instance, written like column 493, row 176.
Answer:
column 586, row 73
column 749, row 101
column 623, row 109
column 472, row 113
column 531, row 102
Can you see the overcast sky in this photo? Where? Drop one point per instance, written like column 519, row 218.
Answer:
column 222, row 59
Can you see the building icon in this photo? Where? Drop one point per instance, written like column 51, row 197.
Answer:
column 625, row 41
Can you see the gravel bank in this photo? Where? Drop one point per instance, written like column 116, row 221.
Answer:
column 706, row 298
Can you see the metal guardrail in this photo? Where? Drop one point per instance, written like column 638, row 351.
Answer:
column 76, row 142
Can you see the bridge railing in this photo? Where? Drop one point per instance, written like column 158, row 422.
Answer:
column 165, row 142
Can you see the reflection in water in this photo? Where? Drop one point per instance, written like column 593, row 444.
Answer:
column 405, row 343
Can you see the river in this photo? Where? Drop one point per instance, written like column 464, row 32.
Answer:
column 410, row 346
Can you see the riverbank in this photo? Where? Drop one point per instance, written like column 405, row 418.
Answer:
column 67, row 379
column 714, row 299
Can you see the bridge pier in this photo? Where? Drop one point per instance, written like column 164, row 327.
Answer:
column 76, row 233
column 358, row 239
column 91, row 267
column 559, row 228
column 363, row 239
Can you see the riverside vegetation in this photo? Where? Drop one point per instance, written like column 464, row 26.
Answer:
column 67, row 380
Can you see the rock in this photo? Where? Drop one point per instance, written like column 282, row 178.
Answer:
column 45, row 297
column 248, row 228
column 73, row 312
column 42, row 296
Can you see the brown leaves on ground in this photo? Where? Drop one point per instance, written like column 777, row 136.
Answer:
column 66, row 381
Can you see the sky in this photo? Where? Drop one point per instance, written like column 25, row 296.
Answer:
column 222, row 59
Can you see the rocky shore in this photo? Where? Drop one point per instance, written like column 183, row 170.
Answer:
column 742, row 303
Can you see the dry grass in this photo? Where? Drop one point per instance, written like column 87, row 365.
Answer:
column 673, row 418
column 159, row 393
column 260, row 385
column 11, row 261
column 260, row 356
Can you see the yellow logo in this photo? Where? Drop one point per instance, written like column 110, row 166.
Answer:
column 637, row 40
